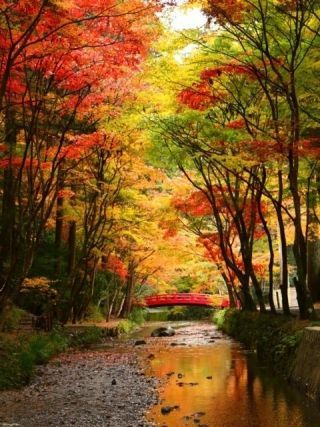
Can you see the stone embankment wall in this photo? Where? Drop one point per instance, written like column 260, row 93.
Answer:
column 306, row 369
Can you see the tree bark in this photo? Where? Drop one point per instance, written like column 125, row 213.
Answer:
column 129, row 290
column 71, row 246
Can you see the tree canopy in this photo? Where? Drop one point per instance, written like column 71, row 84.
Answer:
column 138, row 159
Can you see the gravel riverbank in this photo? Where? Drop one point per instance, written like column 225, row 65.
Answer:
column 87, row 389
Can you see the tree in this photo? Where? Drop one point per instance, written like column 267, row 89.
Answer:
column 58, row 63
column 278, row 38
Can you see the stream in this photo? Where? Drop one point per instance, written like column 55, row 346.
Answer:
column 210, row 380
column 199, row 377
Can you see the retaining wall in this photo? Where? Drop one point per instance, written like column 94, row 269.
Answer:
column 306, row 370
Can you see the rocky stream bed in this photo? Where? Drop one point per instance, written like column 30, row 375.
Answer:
column 196, row 377
column 87, row 389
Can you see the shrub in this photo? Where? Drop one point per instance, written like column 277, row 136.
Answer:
column 19, row 356
column 160, row 316
column 11, row 318
column 126, row 326
column 189, row 313
column 137, row 315
column 94, row 314
column 274, row 337
column 86, row 336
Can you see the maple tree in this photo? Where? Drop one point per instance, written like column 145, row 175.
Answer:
column 245, row 117
column 58, row 64
column 276, row 58
column 137, row 157
column 222, row 245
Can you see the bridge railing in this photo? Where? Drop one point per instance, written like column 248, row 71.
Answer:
column 182, row 298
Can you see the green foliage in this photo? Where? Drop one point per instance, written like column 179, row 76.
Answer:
column 275, row 338
column 126, row 326
column 159, row 316
column 37, row 295
column 94, row 314
column 86, row 336
column 10, row 318
column 137, row 315
column 18, row 357
column 189, row 313
column 47, row 257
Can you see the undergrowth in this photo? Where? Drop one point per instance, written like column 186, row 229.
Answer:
column 275, row 338
column 19, row 355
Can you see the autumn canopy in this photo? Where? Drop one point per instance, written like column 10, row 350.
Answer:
column 138, row 160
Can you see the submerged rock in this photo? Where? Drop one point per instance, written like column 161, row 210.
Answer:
column 166, row 410
column 163, row 332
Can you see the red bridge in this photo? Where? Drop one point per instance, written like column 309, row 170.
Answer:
column 203, row 300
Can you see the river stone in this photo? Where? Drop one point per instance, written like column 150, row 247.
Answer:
column 163, row 332
column 166, row 409
column 140, row 342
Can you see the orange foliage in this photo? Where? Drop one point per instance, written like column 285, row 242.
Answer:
column 199, row 96
column 234, row 69
column 196, row 204
column 225, row 11
column 116, row 266
column 236, row 124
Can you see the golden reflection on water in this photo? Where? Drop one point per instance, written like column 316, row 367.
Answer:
column 235, row 396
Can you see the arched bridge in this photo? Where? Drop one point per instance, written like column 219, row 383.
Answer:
column 203, row 300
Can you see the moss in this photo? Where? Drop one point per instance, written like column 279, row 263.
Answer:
column 275, row 338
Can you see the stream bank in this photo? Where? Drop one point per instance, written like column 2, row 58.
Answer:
column 87, row 389
column 199, row 376
column 290, row 347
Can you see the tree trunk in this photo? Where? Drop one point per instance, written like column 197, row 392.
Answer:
column 258, row 292
column 59, row 223
column 283, row 252
column 121, row 306
column 111, row 304
column 8, row 214
column 313, row 277
column 245, row 297
column 71, row 246
column 129, row 291
column 230, row 290
column 271, row 261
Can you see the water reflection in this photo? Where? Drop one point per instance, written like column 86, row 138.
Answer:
column 220, row 385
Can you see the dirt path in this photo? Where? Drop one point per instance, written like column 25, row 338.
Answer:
column 83, row 389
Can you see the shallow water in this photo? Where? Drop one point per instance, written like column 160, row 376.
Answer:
column 213, row 381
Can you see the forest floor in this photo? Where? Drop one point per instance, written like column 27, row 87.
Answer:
column 83, row 388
